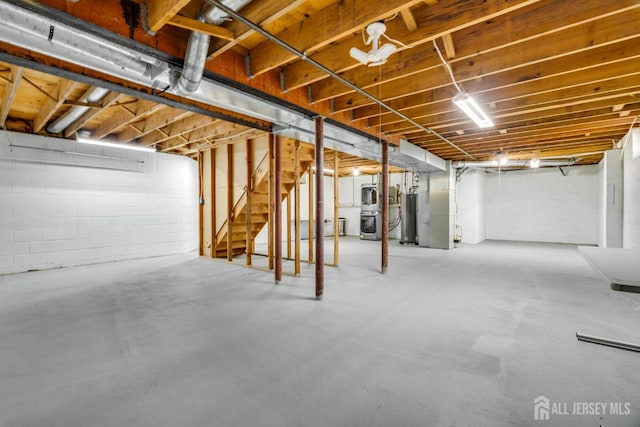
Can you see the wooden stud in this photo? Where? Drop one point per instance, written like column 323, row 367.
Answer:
column 159, row 12
column 201, row 27
column 49, row 108
column 289, row 225
column 409, row 19
column 296, row 186
column 106, row 102
column 310, row 183
column 10, row 93
column 449, row 47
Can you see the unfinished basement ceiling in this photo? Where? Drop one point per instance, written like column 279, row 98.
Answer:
column 558, row 78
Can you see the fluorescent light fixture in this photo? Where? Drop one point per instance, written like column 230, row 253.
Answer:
column 534, row 163
column 466, row 103
column 85, row 140
column 503, row 160
column 356, row 172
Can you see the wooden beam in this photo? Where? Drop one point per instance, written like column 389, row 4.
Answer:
column 166, row 116
column 125, row 115
column 449, row 47
column 621, row 60
column 50, row 106
column 160, row 12
column 263, row 12
column 409, row 20
column 431, row 25
column 184, row 126
column 575, row 42
column 106, row 102
column 337, row 20
column 201, row 27
column 10, row 93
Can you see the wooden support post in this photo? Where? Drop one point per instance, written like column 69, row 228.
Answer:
column 278, row 209
column 310, row 215
column 248, row 207
column 385, row 205
column 336, row 211
column 289, row 225
column 230, row 202
column 270, row 221
column 214, row 227
column 296, row 192
column 319, row 154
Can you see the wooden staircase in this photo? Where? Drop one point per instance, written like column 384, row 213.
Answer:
column 260, row 198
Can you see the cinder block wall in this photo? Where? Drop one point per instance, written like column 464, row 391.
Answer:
column 65, row 204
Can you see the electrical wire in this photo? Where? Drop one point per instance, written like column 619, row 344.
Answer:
column 447, row 66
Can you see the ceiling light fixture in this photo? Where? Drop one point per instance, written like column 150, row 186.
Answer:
column 356, row 172
column 325, row 170
column 378, row 55
column 464, row 101
column 85, row 140
column 534, row 163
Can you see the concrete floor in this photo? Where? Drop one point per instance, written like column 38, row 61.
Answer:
column 468, row 337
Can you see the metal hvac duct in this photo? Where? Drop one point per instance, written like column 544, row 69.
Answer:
column 39, row 28
column 198, row 46
column 512, row 164
column 74, row 113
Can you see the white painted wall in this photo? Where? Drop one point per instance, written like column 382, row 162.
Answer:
column 631, row 209
column 471, row 207
column 602, row 203
column 544, row 206
column 60, row 209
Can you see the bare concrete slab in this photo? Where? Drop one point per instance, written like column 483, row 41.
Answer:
column 621, row 267
column 468, row 337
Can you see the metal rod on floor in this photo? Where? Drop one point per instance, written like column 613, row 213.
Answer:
column 608, row 342
column 319, row 155
column 385, row 206
column 278, row 209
